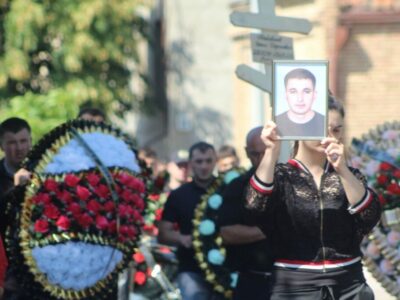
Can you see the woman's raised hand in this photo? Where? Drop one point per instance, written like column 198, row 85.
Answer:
column 270, row 138
column 335, row 153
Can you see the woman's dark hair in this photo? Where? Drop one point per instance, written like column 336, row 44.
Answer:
column 333, row 104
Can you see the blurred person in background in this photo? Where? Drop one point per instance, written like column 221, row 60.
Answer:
column 227, row 159
column 178, row 170
column 92, row 114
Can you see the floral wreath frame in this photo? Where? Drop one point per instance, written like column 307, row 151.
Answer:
column 210, row 252
column 377, row 155
column 19, row 234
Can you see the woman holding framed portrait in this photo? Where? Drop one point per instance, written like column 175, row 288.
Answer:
column 300, row 100
column 322, row 210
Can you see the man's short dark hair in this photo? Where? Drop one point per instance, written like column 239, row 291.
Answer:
column 201, row 146
column 226, row 151
column 94, row 111
column 13, row 125
column 300, row 73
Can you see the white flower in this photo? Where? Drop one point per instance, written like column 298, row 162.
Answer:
column 207, row 227
column 215, row 257
column 112, row 152
column 215, row 201
column 76, row 265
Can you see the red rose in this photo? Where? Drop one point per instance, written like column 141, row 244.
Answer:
column 381, row 179
column 71, row 180
column 138, row 257
column 385, row 166
column 41, row 226
column 102, row 191
column 64, row 196
column 140, row 277
column 124, row 210
column 132, row 182
column 137, row 217
column 94, row 206
column 74, row 208
column 101, row 222
column 151, row 229
column 51, row 211
column 137, row 185
column 124, row 178
column 396, row 173
column 63, row 223
column 123, row 230
column 158, row 214
column 93, row 179
column 126, row 195
column 393, row 188
column 138, row 202
column 82, row 192
column 50, row 185
column 132, row 232
column 112, row 226
column 41, row 198
column 84, row 220
column 154, row 197
column 109, row 206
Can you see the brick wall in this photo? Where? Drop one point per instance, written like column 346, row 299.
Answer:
column 369, row 77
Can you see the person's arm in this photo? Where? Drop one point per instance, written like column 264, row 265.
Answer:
column 262, row 182
column 238, row 234
column 363, row 201
column 169, row 236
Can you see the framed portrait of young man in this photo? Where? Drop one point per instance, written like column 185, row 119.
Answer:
column 300, row 99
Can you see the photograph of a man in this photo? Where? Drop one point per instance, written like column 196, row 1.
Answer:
column 300, row 120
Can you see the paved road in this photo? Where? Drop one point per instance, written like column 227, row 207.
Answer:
column 380, row 293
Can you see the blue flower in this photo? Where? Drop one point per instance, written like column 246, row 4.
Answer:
column 234, row 279
column 207, row 227
column 215, row 201
column 229, row 176
column 215, row 257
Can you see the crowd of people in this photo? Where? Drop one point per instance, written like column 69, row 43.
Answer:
column 292, row 230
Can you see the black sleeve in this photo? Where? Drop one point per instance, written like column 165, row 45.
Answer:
column 170, row 208
column 232, row 208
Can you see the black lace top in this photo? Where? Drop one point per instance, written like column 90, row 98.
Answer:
column 312, row 228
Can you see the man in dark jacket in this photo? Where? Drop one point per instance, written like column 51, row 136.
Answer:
column 16, row 142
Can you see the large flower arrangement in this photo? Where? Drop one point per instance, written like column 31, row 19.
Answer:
column 209, row 249
column 82, row 203
column 377, row 154
column 76, row 225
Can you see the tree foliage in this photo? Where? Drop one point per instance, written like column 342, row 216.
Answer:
column 70, row 50
column 43, row 112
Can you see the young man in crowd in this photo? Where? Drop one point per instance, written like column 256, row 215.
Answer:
column 16, row 142
column 227, row 159
column 179, row 210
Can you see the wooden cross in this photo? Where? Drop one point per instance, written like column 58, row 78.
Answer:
column 267, row 21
